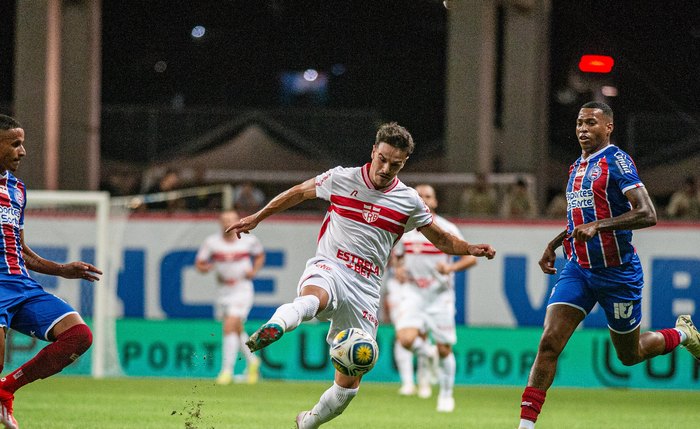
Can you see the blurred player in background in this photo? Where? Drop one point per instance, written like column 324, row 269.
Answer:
column 24, row 305
column 236, row 261
column 370, row 208
column 606, row 201
column 395, row 285
column 428, row 304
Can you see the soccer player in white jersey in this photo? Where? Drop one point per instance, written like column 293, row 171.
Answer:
column 235, row 261
column 370, row 209
column 428, row 304
column 395, row 285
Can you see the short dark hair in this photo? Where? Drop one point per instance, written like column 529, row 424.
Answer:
column 8, row 123
column 599, row 105
column 395, row 135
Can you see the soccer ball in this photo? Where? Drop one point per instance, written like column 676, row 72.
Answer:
column 354, row 352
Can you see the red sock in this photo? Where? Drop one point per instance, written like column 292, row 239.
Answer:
column 530, row 408
column 51, row 359
column 671, row 337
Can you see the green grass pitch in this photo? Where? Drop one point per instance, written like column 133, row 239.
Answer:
column 65, row 402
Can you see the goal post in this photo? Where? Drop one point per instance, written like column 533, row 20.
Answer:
column 104, row 335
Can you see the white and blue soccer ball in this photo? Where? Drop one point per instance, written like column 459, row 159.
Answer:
column 354, row 352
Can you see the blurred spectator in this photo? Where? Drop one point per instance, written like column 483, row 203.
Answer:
column 479, row 200
column 169, row 182
column 247, row 198
column 556, row 208
column 518, row 203
column 203, row 200
column 120, row 184
column 685, row 202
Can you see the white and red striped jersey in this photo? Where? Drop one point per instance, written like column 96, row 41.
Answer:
column 13, row 200
column 363, row 223
column 420, row 259
column 231, row 258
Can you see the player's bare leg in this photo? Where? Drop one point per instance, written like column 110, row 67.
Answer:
column 635, row 347
column 288, row 316
column 560, row 323
column 332, row 403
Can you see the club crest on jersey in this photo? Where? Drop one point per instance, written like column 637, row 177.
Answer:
column 19, row 196
column 595, row 172
column 370, row 213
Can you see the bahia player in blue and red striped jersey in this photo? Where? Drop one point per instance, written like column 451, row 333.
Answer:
column 24, row 305
column 606, row 200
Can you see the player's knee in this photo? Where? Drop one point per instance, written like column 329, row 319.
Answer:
column 405, row 339
column 444, row 350
column 81, row 337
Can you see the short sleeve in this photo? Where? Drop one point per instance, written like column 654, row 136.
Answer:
column 256, row 247
column 399, row 249
column 324, row 184
column 420, row 216
column 204, row 252
column 624, row 172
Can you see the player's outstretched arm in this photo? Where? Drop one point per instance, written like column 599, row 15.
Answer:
column 289, row 198
column 461, row 264
column 71, row 270
column 452, row 245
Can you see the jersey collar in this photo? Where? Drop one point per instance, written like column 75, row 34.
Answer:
column 370, row 185
column 593, row 155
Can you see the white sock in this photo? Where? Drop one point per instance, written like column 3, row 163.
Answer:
column 526, row 424
column 331, row 404
column 684, row 337
column 423, row 372
column 404, row 363
column 249, row 356
column 303, row 308
column 446, row 377
column 229, row 351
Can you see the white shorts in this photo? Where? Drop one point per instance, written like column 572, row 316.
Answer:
column 348, row 306
column 235, row 301
column 436, row 318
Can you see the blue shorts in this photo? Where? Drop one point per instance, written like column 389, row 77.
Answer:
column 27, row 308
column 618, row 290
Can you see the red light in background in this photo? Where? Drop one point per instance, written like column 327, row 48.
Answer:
column 596, row 63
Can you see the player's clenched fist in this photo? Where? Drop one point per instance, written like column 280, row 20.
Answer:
column 482, row 250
